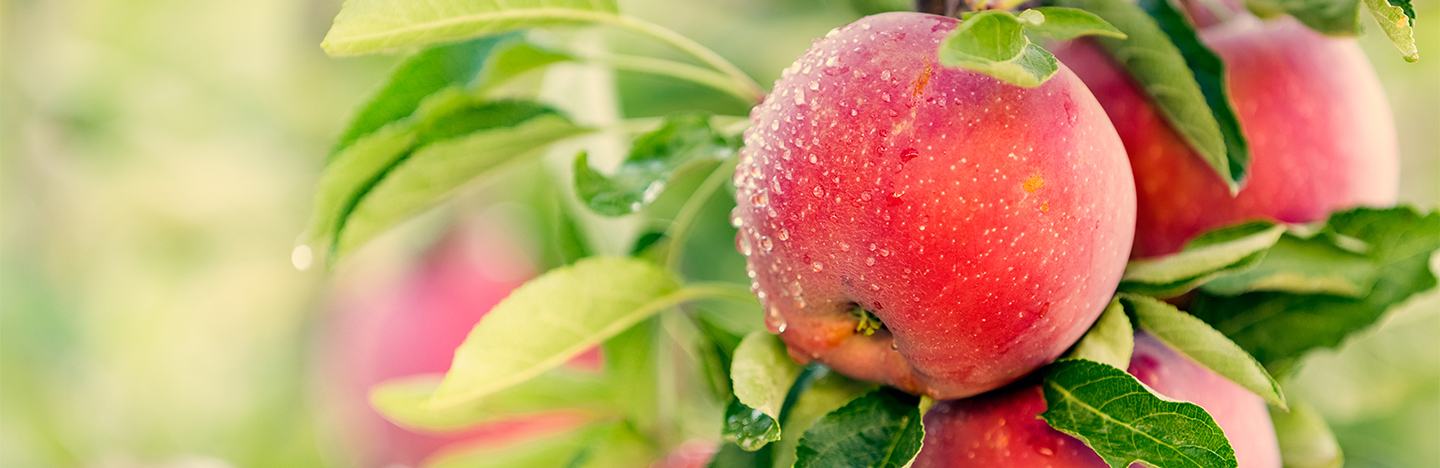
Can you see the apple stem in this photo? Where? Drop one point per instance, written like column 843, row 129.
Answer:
column 937, row 7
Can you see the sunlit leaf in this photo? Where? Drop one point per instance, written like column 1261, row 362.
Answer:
column 553, row 318
column 1191, row 337
column 367, row 26
column 1124, row 422
column 1110, row 341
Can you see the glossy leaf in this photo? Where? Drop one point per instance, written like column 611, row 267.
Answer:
column 418, row 77
column 1063, row 24
column 1315, row 264
column 993, row 42
column 552, row 319
column 749, row 428
column 434, row 171
column 1111, row 340
column 1225, row 250
column 1279, row 327
column 879, row 429
column 1125, row 422
column 357, row 184
column 1191, row 337
column 825, row 394
column 761, row 374
column 1161, row 48
column 367, row 26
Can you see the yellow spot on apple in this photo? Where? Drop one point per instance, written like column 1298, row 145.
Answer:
column 1034, row 183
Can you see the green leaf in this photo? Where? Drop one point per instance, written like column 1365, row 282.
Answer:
column 880, row 429
column 1316, row 264
column 993, row 42
column 1063, row 24
column 1161, row 47
column 749, row 428
column 1210, row 255
column 1333, row 17
column 632, row 367
column 761, row 374
column 1398, row 21
column 434, row 171
column 553, row 318
column 1191, row 337
column 656, row 156
column 732, row 456
column 1305, row 439
column 406, row 402
column 1125, row 423
column 825, row 394
column 418, row 77
column 367, row 26
column 363, row 188
column 1280, row 327
column 612, row 445
column 1110, row 341
column 514, row 58
column 547, row 450
column 477, row 65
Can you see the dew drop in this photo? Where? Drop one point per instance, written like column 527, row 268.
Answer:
column 766, row 245
column 817, row 267
column 909, row 154
column 870, row 261
column 302, row 257
column 784, row 235
column 818, row 192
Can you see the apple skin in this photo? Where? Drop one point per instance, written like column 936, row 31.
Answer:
column 411, row 327
column 986, row 225
column 1004, row 428
column 1320, row 132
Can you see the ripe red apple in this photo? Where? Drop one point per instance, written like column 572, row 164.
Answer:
column 984, row 224
column 412, row 328
column 1004, row 428
column 1320, row 132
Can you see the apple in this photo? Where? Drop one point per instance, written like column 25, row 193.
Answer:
column 412, row 327
column 1004, row 428
column 1320, row 132
column 930, row 228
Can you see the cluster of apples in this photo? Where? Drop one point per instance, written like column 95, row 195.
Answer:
column 980, row 227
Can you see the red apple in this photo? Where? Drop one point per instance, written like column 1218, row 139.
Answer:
column 984, row 224
column 1004, row 428
column 1320, row 132
column 412, row 328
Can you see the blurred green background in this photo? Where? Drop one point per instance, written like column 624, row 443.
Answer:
column 158, row 158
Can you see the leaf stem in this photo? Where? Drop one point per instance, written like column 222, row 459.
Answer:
column 673, row 69
column 753, row 91
column 685, row 218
